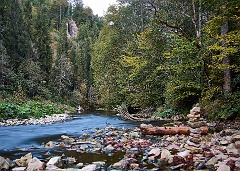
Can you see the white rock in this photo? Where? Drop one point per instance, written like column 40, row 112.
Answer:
column 19, row 169
column 192, row 144
column 165, row 154
column 99, row 163
column 56, row 161
column 184, row 154
column 232, row 149
column 155, row 152
column 117, row 165
column 195, row 110
column 51, row 168
column 35, row 164
column 91, row 167
column 71, row 160
column 79, row 165
column 224, row 142
column 224, row 167
column 109, row 147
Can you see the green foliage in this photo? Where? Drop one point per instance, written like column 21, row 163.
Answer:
column 165, row 113
column 31, row 109
column 141, row 53
column 223, row 108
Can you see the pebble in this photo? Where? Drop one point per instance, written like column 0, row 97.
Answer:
column 42, row 121
column 163, row 153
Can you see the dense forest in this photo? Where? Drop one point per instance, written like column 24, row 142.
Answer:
column 165, row 54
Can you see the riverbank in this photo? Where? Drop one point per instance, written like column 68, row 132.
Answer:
column 43, row 120
column 213, row 151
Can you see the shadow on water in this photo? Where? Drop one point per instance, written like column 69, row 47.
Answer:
column 16, row 141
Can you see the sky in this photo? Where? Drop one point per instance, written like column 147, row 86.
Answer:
column 98, row 6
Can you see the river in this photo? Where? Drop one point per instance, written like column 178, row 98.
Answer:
column 16, row 141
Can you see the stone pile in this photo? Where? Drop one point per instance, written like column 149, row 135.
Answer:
column 195, row 150
column 43, row 120
column 196, row 124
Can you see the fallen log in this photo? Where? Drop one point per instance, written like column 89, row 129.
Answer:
column 154, row 130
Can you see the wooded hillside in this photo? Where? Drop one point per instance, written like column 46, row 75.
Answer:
column 165, row 54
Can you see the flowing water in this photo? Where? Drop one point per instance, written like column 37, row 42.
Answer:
column 16, row 141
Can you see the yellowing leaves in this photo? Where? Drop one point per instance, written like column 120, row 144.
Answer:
column 135, row 63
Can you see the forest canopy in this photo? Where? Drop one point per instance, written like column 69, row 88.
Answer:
column 164, row 54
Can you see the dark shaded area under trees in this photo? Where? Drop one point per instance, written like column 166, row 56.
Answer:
column 164, row 54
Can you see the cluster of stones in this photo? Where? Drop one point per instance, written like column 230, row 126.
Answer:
column 43, row 120
column 196, row 123
column 30, row 163
column 141, row 152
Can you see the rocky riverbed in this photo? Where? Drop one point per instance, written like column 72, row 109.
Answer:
column 214, row 151
column 43, row 120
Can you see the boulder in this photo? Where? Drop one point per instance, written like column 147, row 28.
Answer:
column 5, row 163
column 71, row 160
column 184, row 154
column 23, row 161
column 19, row 169
column 50, row 144
column 195, row 124
column 236, row 137
column 195, row 110
column 212, row 161
column 224, row 142
column 231, row 149
column 55, row 161
column 193, row 149
column 237, row 143
column 166, row 156
column 51, row 168
column 192, row 144
column 154, row 152
column 224, row 167
column 35, row 164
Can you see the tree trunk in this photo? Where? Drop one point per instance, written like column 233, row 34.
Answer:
column 226, row 61
column 186, row 130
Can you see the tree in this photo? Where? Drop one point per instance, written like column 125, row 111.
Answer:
column 15, row 36
column 105, row 65
column 42, row 40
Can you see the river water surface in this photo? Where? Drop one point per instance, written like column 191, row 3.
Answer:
column 16, row 141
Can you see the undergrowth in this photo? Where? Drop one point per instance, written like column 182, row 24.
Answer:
column 30, row 109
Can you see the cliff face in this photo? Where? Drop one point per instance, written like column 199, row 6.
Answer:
column 72, row 29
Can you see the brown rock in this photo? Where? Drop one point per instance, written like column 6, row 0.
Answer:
column 195, row 135
column 237, row 143
column 236, row 137
column 195, row 140
column 23, row 161
column 195, row 124
column 5, row 163
column 178, row 160
column 193, row 149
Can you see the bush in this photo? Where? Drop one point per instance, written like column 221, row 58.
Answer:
column 31, row 109
column 165, row 113
column 224, row 108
